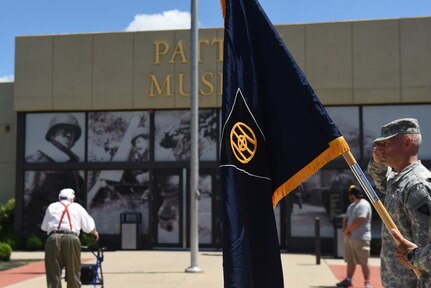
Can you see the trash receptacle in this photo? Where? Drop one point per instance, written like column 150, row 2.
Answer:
column 338, row 236
column 130, row 230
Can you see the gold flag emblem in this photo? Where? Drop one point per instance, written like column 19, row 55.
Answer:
column 243, row 142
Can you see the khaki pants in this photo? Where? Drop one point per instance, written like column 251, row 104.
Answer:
column 63, row 250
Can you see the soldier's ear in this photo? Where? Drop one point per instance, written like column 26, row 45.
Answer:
column 407, row 140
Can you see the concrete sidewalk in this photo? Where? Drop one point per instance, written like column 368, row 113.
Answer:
column 166, row 269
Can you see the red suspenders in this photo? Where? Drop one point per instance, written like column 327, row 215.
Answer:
column 65, row 211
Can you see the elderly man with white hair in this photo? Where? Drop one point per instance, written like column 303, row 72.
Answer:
column 63, row 221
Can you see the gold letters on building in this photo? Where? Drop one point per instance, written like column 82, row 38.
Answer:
column 210, row 82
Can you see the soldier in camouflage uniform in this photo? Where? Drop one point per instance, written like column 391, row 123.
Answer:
column 397, row 172
column 412, row 256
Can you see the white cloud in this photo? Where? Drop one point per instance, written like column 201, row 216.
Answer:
column 168, row 20
column 6, row 78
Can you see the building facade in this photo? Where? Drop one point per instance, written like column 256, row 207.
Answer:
column 119, row 104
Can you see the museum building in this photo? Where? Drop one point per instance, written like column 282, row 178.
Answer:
column 120, row 103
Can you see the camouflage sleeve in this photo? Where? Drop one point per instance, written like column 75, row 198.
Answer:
column 378, row 173
column 418, row 204
column 422, row 258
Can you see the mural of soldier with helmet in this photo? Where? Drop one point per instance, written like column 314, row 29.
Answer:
column 138, row 181
column 41, row 186
column 63, row 132
column 140, row 145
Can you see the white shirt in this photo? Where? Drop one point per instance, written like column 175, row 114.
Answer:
column 360, row 209
column 78, row 216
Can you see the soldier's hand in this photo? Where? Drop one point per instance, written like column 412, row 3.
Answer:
column 403, row 249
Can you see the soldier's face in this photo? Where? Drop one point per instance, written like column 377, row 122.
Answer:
column 141, row 144
column 64, row 136
column 391, row 149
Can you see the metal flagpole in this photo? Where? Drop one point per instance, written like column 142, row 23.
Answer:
column 194, row 145
column 365, row 184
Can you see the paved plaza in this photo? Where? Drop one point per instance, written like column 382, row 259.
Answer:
column 157, row 269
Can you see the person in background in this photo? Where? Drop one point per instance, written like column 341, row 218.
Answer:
column 357, row 236
column 410, row 255
column 397, row 172
column 63, row 222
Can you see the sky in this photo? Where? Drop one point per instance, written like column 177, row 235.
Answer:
column 44, row 17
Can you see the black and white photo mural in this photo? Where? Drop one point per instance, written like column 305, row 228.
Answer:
column 347, row 120
column 374, row 117
column 172, row 135
column 205, row 209
column 324, row 194
column 138, row 162
column 51, row 138
column 41, row 188
column 55, row 137
column 167, row 208
column 118, row 137
column 107, row 199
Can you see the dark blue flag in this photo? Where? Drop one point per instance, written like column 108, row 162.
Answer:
column 275, row 135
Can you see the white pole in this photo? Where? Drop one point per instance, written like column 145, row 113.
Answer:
column 194, row 145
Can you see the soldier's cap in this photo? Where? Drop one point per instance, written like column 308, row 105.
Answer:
column 66, row 194
column 356, row 191
column 399, row 126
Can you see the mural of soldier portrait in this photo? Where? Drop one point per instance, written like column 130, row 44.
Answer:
column 54, row 146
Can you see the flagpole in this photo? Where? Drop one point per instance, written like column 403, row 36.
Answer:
column 365, row 184
column 194, row 145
